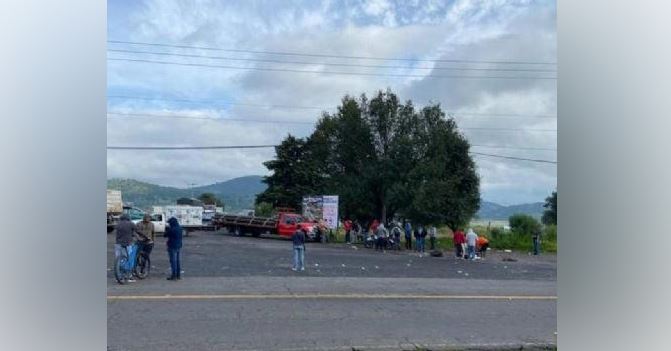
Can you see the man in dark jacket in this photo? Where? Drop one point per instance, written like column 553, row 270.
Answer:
column 408, row 235
column 420, row 235
column 125, row 238
column 174, row 235
column 298, row 239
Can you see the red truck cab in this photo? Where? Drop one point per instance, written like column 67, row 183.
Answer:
column 288, row 223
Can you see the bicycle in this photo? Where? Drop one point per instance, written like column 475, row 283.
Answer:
column 134, row 263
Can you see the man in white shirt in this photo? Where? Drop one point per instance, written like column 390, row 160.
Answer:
column 471, row 240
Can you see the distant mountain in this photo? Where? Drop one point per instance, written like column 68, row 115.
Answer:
column 237, row 193
column 144, row 195
column 492, row 210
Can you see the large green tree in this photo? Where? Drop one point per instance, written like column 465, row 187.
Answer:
column 384, row 159
column 550, row 213
column 293, row 175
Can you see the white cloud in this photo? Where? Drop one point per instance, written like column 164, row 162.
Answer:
column 479, row 30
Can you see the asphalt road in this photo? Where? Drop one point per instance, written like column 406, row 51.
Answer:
column 239, row 294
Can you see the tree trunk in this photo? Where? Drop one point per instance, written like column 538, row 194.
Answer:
column 383, row 210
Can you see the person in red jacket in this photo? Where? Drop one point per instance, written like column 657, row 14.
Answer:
column 459, row 240
column 348, row 229
column 373, row 227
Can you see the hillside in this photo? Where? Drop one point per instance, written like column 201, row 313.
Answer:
column 237, row 193
column 491, row 210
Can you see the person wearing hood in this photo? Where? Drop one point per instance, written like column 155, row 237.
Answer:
column 471, row 240
column 174, row 243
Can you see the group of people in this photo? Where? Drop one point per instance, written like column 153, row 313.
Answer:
column 466, row 246
column 384, row 236
column 128, row 232
column 469, row 245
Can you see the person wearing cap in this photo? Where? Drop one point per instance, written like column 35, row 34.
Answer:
column 146, row 228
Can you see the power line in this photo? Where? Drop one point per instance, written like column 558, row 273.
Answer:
column 221, row 119
column 510, row 129
column 220, row 102
column 513, row 158
column 391, row 75
column 188, row 147
column 217, row 102
column 515, row 147
column 252, row 120
column 285, row 53
column 268, row 146
column 330, row 63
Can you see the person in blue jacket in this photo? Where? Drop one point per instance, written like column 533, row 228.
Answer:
column 174, row 235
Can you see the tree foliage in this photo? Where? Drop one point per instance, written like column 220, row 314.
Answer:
column 263, row 209
column 384, row 159
column 523, row 224
column 210, row 199
column 550, row 213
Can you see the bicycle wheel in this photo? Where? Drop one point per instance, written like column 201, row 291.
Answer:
column 143, row 266
column 119, row 269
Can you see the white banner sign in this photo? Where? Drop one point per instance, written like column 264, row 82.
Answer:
column 330, row 210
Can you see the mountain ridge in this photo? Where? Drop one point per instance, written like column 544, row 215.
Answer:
column 239, row 194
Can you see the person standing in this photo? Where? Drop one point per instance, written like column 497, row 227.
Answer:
column 146, row 228
column 459, row 239
column 432, row 236
column 420, row 234
column 382, row 234
column 298, row 239
column 536, row 240
column 408, row 235
column 174, row 243
column 348, row 230
column 125, row 238
column 396, row 232
column 358, row 232
column 471, row 240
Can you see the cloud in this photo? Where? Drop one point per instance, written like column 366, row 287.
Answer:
column 475, row 30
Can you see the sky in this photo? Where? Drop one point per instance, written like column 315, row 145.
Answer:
column 243, row 103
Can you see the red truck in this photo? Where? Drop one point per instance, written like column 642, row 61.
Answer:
column 285, row 224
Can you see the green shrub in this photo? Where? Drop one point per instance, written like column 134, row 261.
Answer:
column 523, row 224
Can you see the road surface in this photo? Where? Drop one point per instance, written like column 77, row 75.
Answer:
column 239, row 294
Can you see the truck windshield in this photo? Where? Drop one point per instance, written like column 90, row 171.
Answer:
column 294, row 219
